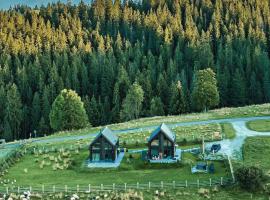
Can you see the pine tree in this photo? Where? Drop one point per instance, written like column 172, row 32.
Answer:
column 13, row 113
column 2, row 108
column 35, row 111
column 266, row 86
column 205, row 93
column 156, row 107
column 131, row 106
column 238, row 89
column 178, row 101
column 92, row 110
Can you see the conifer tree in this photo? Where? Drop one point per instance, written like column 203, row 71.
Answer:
column 178, row 101
column 131, row 107
column 13, row 113
column 156, row 107
column 205, row 93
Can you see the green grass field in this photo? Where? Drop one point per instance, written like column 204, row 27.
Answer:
column 256, row 152
column 259, row 125
column 29, row 172
column 228, row 130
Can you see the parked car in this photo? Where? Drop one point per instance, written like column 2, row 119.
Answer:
column 215, row 148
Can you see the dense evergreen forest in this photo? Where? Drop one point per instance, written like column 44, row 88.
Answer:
column 99, row 50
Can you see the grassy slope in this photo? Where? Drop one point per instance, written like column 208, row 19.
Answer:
column 256, row 151
column 248, row 111
column 259, row 125
column 137, row 171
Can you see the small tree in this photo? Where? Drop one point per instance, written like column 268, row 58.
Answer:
column 205, row 93
column 250, row 178
column 68, row 112
column 178, row 101
column 156, row 107
column 132, row 104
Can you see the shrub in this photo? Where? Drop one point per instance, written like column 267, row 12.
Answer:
column 250, row 178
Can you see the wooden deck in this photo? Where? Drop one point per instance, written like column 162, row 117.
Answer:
column 176, row 159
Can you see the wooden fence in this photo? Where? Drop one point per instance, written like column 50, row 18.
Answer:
column 118, row 187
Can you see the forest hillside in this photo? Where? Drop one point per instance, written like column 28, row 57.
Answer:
column 108, row 50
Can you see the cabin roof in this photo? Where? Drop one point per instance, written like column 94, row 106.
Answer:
column 108, row 134
column 165, row 130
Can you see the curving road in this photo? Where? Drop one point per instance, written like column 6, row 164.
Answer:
column 229, row 147
column 235, row 121
column 233, row 147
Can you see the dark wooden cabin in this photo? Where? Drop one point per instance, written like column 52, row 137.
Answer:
column 161, row 144
column 104, row 147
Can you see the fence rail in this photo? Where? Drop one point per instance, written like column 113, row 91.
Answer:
column 118, row 187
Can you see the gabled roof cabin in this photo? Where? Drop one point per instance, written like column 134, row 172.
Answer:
column 104, row 147
column 161, row 143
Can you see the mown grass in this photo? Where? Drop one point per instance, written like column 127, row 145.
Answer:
column 131, row 172
column 228, row 130
column 256, row 151
column 259, row 125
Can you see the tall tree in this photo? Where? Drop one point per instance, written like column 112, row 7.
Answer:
column 178, row 101
column 35, row 111
column 68, row 112
column 131, row 107
column 156, row 107
column 205, row 92
column 13, row 113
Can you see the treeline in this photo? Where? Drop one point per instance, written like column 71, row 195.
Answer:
column 100, row 50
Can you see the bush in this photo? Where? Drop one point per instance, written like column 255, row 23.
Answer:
column 250, row 178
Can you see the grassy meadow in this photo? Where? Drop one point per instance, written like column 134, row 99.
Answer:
column 256, row 151
column 42, row 168
column 259, row 125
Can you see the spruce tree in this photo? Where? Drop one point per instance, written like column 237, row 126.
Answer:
column 156, row 107
column 205, row 93
column 132, row 104
column 13, row 113
column 178, row 101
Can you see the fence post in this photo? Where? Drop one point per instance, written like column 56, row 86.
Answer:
column 221, row 181
column 7, row 190
column 18, row 190
column 43, row 189
column 125, row 186
column 149, row 185
column 101, row 187
column 198, row 183
column 30, row 189
column 113, row 186
column 66, row 188
column 210, row 182
column 54, row 189
column 173, row 184
column 78, row 188
column 186, row 184
column 161, row 183
column 138, row 185
column 89, row 187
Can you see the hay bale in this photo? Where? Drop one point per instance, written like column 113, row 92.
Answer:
column 203, row 191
